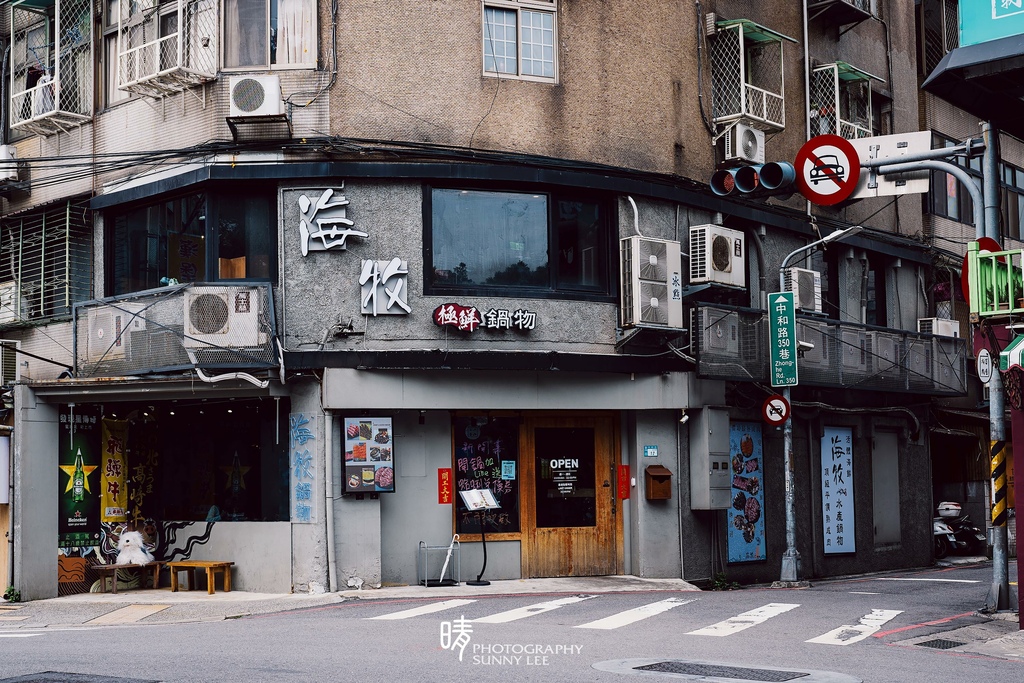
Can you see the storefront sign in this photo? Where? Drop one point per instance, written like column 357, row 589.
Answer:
column 444, row 486
column 651, row 451
column 464, row 318
column 79, row 444
column 565, row 474
column 323, row 223
column 384, row 287
column 369, row 459
column 746, row 528
column 623, row 482
column 114, row 471
column 837, row 511
column 468, row 318
column 303, row 490
column 505, row 319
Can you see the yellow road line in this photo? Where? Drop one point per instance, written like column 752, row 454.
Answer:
column 128, row 615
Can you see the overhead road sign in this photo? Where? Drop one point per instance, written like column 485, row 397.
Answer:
column 892, row 147
column 827, row 169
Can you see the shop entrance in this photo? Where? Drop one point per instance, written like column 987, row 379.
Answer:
column 570, row 523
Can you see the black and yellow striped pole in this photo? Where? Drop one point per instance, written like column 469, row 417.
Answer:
column 999, row 594
column 999, row 495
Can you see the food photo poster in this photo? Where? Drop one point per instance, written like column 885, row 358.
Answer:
column 369, row 455
column 745, row 515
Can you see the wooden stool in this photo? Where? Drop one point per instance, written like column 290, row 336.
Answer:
column 110, row 571
column 211, row 567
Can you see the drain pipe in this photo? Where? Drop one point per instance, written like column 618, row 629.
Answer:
column 807, row 93
column 332, row 562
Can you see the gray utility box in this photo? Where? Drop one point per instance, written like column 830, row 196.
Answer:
column 710, row 481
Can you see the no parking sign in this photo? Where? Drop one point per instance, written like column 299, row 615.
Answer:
column 827, row 169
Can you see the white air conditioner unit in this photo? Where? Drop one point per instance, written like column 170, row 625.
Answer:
column 652, row 281
column 110, row 330
column 818, row 335
column 715, row 332
column 717, row 255
column 227, row 317
column 255, row 96
column 883, row 352
column 743, row 143
column 8, row 163
column 806, row 286
column 940, row 327
column 10, row 303
column 854, row 352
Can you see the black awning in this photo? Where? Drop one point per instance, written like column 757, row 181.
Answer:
column 986, row 80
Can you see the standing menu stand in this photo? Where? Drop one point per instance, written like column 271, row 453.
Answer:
column 480, row 501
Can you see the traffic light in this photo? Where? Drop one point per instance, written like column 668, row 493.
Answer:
column 762, row 180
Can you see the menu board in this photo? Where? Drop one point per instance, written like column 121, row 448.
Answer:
column 369, row 455
column 487, row 457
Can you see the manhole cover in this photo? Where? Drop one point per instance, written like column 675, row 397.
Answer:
column 941, row 644
column 719, row 671
column 65, row 677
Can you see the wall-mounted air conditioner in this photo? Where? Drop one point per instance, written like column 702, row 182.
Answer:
column 226, row 317
column 8, row 163
column 743, row 144
column 717, row 255
column 10, row 303
column 806, row 286
column 883, row 352
column 854, row 352
column 817, row 334
column 939, row 326
column 255, row 96
column 715, row 332
column 652, row 281
column 109, row 331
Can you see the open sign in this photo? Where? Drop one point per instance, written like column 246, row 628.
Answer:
column 564, row 464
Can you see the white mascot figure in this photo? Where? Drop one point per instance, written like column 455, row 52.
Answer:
column 130, row 549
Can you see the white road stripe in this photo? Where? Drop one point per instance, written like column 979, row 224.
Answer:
column 632, row 616
column 425, row 609
column 890, row 578
column 869, row 624
column 746, row 620
column 531, row 610
column 19, row 635
column 863, row 593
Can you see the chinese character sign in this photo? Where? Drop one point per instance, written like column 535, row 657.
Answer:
column 113, row 471
column 746, row 528
column 837, row 512
column 323, row 221
column 444, row 486
column 303, row 490
column 782, row 339
column 384, row 287
column 369, row 455
column 469, row 318
column 78, row 525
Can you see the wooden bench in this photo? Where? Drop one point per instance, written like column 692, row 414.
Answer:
column 110, row 571
column 211, row 567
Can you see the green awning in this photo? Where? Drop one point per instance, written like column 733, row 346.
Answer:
column 754, row 32
column 1011, row 356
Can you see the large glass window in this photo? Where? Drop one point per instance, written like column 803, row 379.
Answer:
column 263, row 33
column 197, row 237
column 484, row 239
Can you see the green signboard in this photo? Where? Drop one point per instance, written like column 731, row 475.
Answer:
column 782, row 339
column 79, row 481
column 985, row 20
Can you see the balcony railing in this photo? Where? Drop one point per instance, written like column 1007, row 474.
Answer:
column 732, row 344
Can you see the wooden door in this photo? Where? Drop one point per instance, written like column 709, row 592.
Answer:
column 570, row 520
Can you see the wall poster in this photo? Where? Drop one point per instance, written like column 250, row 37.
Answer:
column 114, row 471
column 369, row 455
column 746, row 528
column 837, row 511
column 486, row 456
column 79, row 484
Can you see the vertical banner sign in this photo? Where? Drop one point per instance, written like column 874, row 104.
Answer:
column 113, row 471
column 303, row 489
column 624, row 482
column 837, row 512
column 782, row 339
column 746, row 529
column 79, row 493
column 444, row 486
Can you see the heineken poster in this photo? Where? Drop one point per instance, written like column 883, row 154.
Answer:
column 114, row 471
column 79, row 492
column 746, row 532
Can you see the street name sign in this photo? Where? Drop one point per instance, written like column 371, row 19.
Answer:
column 782, row 339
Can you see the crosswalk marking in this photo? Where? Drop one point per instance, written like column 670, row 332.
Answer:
column 19, row 635
column 744, row 621
column 425, row 609
column 869, row 624
column 530, row 610
column 894, row 578
column 634, row 615
column 128, row 615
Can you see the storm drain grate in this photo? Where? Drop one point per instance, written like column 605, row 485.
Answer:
column 67, row 677
column 941, row 644
column 718, row 671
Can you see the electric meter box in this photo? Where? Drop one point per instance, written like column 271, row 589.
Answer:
column 710, row 481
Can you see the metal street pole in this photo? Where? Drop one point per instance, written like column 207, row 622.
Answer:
column 791, row 558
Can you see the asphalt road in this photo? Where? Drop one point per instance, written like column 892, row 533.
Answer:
column 859, row 629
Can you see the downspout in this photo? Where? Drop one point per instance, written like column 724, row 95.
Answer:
column 332, row 563
column 807, row 96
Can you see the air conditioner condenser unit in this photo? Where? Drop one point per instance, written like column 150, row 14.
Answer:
column 717, row 255
column 224, row 317
column 652, row 281
column 743, row 144
column 255, row 96
column 940, row 327
column 806, row 287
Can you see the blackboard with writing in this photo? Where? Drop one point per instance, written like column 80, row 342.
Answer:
column 487, row 457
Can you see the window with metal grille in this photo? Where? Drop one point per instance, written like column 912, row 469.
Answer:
column 45, row 262
column 938, row 32
column 841, row 101
column 519, row 39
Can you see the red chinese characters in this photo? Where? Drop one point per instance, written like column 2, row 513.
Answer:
column 464, row 318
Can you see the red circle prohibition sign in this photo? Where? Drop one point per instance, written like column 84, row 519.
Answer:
column 827, row 169
column 775, row 409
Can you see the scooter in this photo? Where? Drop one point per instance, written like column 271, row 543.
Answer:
column 945, row 540
column 969, row 536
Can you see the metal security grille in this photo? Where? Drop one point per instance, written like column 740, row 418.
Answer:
column 738, row 673
column 166, row 47
column 746, row 75
column 45, row 262
column 51, row 66
column 182, row 327
column 940, row 22
column 840, row 101
column 731, row 344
